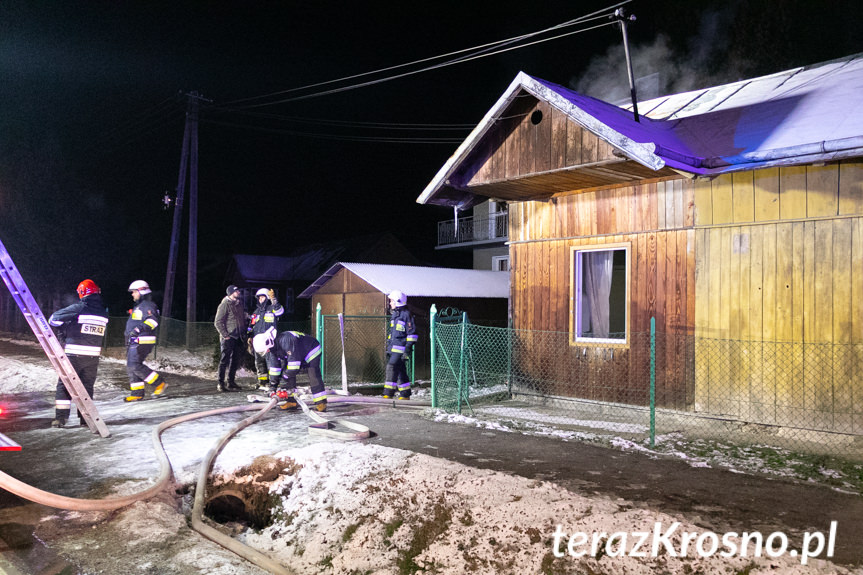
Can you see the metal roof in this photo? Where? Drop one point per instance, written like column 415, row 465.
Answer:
column 420, row 281
column 800, row 116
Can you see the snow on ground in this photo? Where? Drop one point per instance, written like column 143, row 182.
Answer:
column 347, row 508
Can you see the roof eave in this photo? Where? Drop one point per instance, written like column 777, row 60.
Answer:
column 643, row 153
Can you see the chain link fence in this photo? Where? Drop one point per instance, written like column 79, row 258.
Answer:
column 365, row 340
column 364, row 349
column 802, row 396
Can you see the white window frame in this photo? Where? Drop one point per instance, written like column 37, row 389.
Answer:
column 495, row 263
column 575, row 291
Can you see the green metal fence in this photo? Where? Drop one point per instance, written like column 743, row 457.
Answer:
column 803, row 396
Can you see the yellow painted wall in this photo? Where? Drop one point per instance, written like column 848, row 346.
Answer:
column 779, row 281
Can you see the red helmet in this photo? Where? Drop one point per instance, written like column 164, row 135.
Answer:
column 87, row 287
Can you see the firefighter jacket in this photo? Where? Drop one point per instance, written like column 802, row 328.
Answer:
column 143, row 322
column 403, row 331
column 230, row 318
column 84, row 325
column 265, row 316
column 291, row 351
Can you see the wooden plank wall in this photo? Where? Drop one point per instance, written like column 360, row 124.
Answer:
column 656, row 220
column 779, row 262
column 518, row 147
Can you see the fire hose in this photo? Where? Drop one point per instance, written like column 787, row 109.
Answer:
column 321, row 426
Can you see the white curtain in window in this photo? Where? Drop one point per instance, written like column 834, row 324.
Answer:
column 597, row 287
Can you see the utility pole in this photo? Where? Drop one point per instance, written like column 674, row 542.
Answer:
column 621, row 17
column 188, row 162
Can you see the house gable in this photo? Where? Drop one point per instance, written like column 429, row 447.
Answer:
column 535, row 150
column 535, row 142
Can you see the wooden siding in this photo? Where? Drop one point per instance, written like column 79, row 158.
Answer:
column 655, row 220
column 774, row 194
column 779, row 287
column 533, row 137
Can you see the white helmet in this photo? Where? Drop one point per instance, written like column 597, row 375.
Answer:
column 140, row 285
column 264, row 341
column 398, row 297
column 262, row 292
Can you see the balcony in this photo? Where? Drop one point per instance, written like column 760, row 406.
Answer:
column 473, row 231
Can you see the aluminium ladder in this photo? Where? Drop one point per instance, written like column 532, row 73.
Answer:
column 28, row 306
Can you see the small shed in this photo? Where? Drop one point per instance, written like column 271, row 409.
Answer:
column 288, row 273
column 359, row 291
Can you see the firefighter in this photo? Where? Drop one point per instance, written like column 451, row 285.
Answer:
column 286, row 353
column 264, row 317
column 141, row 329
column 83, row 323
column 400, row 342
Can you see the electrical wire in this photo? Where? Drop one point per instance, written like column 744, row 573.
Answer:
column 347, row 123
column 346, row 138
column 477, row 52
column 420, row 71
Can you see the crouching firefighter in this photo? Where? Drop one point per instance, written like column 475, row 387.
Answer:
column 286, row 354
column 83, row 324
column 400, row 341
column 140, row 340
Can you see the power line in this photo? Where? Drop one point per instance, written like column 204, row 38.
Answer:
column 477, row 52
column 347, row 123
column 338, row 137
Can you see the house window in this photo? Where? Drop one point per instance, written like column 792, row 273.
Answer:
column 600, row 295
column 500, row 263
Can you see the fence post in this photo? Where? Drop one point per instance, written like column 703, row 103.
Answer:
column 319, row 329
column 652, row 380
column 509, row 356
column 433, row 340
column 461, row 361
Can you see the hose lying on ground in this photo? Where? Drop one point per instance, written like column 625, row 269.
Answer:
column 31, row 493
column 229, row 543
column 321, row 427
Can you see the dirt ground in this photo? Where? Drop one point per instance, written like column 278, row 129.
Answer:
column 711, row 499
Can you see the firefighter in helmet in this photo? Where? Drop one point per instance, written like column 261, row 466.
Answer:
column 400, row 342
column 265, row 316
column 141, row 329
column 286, row 354
column 83, row 324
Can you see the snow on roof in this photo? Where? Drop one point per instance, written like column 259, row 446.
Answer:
column 420, row 281
column 795, row 117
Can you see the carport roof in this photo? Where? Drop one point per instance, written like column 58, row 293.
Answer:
column 420, row 281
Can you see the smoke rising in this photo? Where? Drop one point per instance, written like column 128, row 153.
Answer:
column 659, row 68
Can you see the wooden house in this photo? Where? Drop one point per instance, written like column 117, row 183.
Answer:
column 732, row 216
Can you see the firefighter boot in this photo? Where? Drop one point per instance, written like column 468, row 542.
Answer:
column 321, row 405
column 160, row 389
column 59, row 422
column 133, row 398
column 220, row 387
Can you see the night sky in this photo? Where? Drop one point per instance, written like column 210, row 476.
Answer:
column 92, row 113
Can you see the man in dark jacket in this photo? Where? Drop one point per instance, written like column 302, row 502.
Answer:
column 83, row 324
column 265, row 316
column 141, row 330
column 231, row 325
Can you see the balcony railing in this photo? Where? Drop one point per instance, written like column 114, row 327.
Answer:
column 472, row 229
